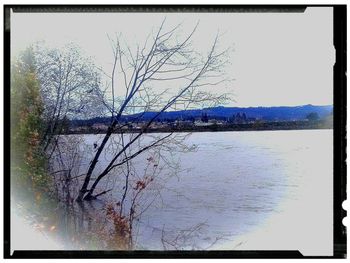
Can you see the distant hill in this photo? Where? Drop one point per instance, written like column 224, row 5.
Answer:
column 281, row 113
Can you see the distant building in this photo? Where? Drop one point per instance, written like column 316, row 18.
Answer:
column 201, row 123
column 99, row 126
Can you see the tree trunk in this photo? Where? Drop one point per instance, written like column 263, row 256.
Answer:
column 83, row 189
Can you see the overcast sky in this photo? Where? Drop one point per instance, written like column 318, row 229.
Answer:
column 278, row 58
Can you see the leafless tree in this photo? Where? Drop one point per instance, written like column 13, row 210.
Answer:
column 165, row 73
column 69, row 83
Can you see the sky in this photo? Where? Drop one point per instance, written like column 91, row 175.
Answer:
column 277, row 58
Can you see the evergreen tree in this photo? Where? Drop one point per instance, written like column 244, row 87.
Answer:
column 238, row 118
column 27, row 158
column 313, row 116
column 244, row 117
column 204, row 118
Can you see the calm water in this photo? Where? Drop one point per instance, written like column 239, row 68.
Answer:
column 232, row 186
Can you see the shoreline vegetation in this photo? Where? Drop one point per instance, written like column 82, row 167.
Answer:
column 212, row 127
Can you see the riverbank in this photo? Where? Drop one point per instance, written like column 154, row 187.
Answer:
column 262, row 126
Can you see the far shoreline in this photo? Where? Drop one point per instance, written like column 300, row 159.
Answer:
column 268, row 126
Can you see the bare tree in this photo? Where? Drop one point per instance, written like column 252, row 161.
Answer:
column 163, row 60
column 68, row 87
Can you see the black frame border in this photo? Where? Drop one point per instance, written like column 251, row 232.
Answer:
column 339, row 130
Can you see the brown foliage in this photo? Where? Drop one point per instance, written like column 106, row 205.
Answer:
column 120, row 236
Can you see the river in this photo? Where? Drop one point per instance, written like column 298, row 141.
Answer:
column 232, row 190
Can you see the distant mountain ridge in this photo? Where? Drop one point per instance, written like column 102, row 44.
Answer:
column 279, row 113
